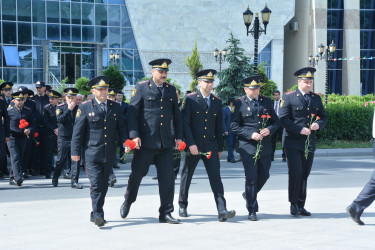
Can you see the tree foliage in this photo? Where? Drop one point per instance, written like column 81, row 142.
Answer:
column 194, row 65
column 81, row 85
column 117, row 79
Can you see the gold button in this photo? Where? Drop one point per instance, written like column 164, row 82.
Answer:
column 258, row 122
column 205, row 120
column 161, row 124
column 105, row 120
column 105, row 143
column 308, row 108
column 105, row 135
column 205, row 127
column 257, row 114
column 162, row 115
column 161, row 99
column 206, row 112
column 308, row 116
column 149, row 98
column 204, row 136
column 161, row 107
column 105, row 127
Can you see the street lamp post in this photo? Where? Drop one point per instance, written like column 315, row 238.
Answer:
column 256, row 30
column 114, row 57
column 221, row 55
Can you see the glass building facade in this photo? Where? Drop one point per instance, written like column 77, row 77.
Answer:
column 53, row 39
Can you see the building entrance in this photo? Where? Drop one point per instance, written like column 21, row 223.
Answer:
column 70, row 67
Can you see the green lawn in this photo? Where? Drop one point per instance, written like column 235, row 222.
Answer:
column 339, row 144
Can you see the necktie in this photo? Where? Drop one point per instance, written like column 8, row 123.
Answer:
column 102, row 105
column 206, row 100
column 160, row 90
column 307, row 98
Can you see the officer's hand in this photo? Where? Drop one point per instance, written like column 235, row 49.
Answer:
column 305, row 131
column 6, row 139
column 26, row 131
column 265, row 132
column 56, row 131
column 177, row 141
column 71, row 105
column 219, row 155
column 226, row 133
column 75, row 157
column 315, row 126
column 137, row 141
column 256, row 136
column 193, row 149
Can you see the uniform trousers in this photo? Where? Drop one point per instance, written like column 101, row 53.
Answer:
column 163, row 160
column 230, row 144
column 98, row 174
column 16, row 147
column 299, row 170
column 176, row 162
column 3, row 159
column 256, row 176
column 365, row 197
column 63, row 155
column 26, row 161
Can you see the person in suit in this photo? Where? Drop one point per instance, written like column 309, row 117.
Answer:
column 17, row 139
column 202, row 119
column 279, row 134
column 366, row 197
column 229, row 135
column 298, row 115
column 250, row 123
column 99, row 126
column 4, row 137
column 120, row 98
column 152, row 107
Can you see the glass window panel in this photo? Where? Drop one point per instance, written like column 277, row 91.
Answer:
column 366, row 4
column 367, row 17
column 125, row 21
column 10, row 74
column 101, row 34
column 114, row 37
column 37, row 57
column 56, row 72
column 114, row 15
column 53, row 31
column 11, row 56
column 76, row 33
column 128, row 40
column 53, row 12
column 88, row 34
column 37, row 75
column 88, row 14
column 137, row 61
column 113, row 1
column 105, row 58
column 138, row 75
column 39, row 31
column 9, row 34
column 25, row 76
column 24, row 10
column 126, row 59
column 25, row 54
column 88, row 58
column 9, row 13
column 88, row 1
column 65, row 12
column 90, row 74
column 65, row 32
column 24, row 33
column 101, row 15
column 39, row 11
column 128, row 77
column 76, row 13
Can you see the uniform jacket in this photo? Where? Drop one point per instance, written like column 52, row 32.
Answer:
column 246, row 119
column 150, row 115
column 295, row 114
column 4, row 125
column 65, row 120
column 97, row 132
column 50, row 119
column 202, row 127
column 15, row 116
column 40, row 102
column 227, row 113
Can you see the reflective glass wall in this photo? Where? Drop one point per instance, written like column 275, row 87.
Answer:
column 76, row 34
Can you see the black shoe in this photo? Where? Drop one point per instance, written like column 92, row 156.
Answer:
column 294, row 210
column 167, row 218
column 76, row 186
column 122, row 161
column 116, row 166
column 223, row 216
column 355, row 217
column 111, row 182
column 48, row 176
column 13, row 182
column 244, row 195
column 155, row 178
column 304, row 212
column 19, row 182
column 66, row 176
column 182, row 212
column 124, row 209
column 284, row 159
column 55, row 182
column 92, row 219
column 233, row 161
column 99, row 221
column 252, row 216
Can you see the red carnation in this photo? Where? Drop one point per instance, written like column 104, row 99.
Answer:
column 181, row 146
column 312, row 115
column 130, row 144
column 209, row 155
column 268, row 116
column 264, row 116
column 37, row 144
column 36, row 134
column 317, row 118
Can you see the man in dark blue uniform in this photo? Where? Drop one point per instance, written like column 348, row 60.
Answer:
column 202, row 124
column 4, row 137
column 98, row 129
column 17, row 140
column 298, row 115
column 254, row 121
column 51, row 127
column 66, row 115
column 153, row 107
column 229, row 135
column 6, row 90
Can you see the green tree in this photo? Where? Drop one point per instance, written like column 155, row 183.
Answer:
column 194, row 65
column 267, row 86
column 1, row 81
column 117, row 79
column 81, row 85
column 239, row 68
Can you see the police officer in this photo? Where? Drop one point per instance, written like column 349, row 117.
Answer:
column 4, row 137
column 202, row 119
column 51, row 128
column 254, row 121
column 17, row 140
column 66, row 115
column 98, row 129
column 6, row 89
column 298, row 115
column 152, row 108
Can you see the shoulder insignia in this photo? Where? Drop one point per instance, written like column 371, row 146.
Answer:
column 27, row 108
column 183, row 105
column 192, row 94
column 281, row 103
column 292, row 92
column 31, row 99
column 9, row 108
column 88, row 101
column 58, row 112
column 233, row 109
column 134, row 92
column 78, row 113
column 217, row 97
column 147, row 81
column 46, row 106
column 61, row 104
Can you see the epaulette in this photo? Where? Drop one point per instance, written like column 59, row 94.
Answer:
column 291, row 92
column 61, row 104
column 217, row 97
column 46, row 106
column 168, row 84
column 31, row 99
column 147, row 81
column 26, row 108
column 9, row 108
column 192, row 94
column 85, row 102
column 241, row 98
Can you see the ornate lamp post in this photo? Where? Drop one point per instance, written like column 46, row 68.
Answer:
column 220, row 56
column 256, row 30
column 114, row 57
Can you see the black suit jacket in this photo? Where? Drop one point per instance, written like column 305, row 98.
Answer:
column 98, row 132
column 247, row 119
column 4, row 125
column 150, row 115
column 295, row 115
column 50, row 119
column 65, row 120
column 202, row 127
